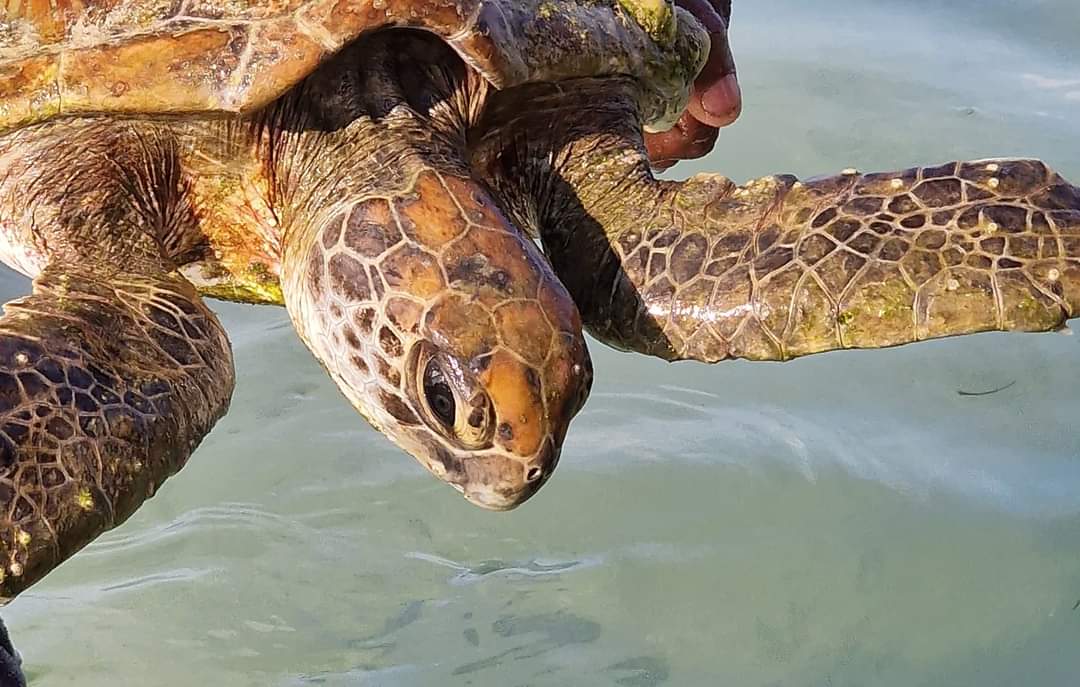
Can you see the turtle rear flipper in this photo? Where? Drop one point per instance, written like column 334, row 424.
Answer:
column 777, row 268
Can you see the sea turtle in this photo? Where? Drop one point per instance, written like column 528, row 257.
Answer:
column 380, row 167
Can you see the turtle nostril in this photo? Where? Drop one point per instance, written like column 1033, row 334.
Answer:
column 533, row 474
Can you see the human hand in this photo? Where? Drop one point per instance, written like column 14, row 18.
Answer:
column 715, row 100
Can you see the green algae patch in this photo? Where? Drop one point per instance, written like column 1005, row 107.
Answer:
column 657, row 17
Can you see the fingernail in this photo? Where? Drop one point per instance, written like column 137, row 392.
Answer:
column 723, row 99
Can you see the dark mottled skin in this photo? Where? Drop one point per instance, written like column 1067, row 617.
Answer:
column 777, row 268
column 10, row 661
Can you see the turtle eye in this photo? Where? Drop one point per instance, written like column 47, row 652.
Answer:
column 439, row 396
column 458, row 410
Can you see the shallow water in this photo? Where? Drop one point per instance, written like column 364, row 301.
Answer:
column 845, row 519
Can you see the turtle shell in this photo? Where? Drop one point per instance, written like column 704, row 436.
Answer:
column 206, row 57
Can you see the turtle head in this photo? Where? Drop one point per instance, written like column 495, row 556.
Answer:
column 490, row 390
column 494, row 363
column 445, row 328
column 437, row 318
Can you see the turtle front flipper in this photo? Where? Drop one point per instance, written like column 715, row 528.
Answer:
column 108, row 381
column 779, row 268
column 112, row 370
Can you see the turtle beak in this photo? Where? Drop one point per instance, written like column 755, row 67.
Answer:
column 491, row 500
column 501, row 483
column 495, row 499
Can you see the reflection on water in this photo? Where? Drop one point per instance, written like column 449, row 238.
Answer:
column 846, row 519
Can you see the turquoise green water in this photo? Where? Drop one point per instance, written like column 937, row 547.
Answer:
column 845, row 519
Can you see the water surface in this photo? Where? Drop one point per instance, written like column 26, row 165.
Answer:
column 845, row 519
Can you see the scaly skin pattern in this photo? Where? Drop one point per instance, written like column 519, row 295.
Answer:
column 777, row 268
column 205, row 57
column 108, row 381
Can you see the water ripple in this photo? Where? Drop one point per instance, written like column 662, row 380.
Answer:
column 217, row 517
column 154, row 579
column 471, row 574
